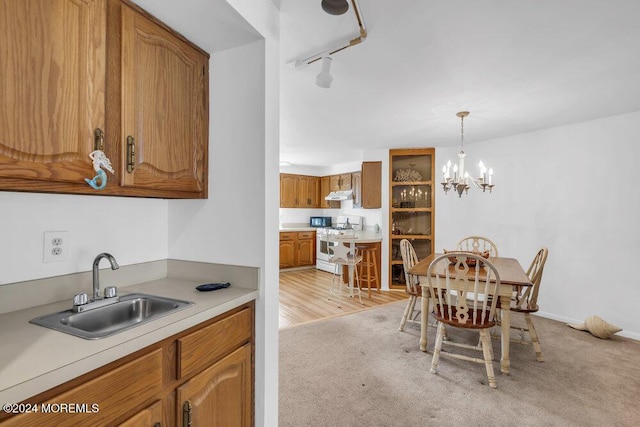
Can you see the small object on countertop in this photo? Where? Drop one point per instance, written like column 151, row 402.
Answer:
column 212, row 286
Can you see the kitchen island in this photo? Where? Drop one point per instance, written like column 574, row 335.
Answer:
column 34, row 359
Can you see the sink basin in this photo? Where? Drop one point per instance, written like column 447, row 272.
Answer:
column 132, row 310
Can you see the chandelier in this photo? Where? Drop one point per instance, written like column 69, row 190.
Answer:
column 460, row 178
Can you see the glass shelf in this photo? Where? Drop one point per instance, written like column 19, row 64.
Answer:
column 411, row 222
column 410, row 196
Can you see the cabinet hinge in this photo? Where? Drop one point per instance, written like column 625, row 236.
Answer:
column 98, row 139
column 131, row 153
column 186, row 414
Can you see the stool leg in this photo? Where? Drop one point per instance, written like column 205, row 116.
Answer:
column 375, row 270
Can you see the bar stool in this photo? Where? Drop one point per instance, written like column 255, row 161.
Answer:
column 369, row 263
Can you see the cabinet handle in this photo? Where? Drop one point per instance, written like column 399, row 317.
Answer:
column 157, row 425
column 98, row 139
column 186, row 414
column 131, row 153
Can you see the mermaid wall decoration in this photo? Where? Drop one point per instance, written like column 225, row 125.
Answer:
column 100, row 160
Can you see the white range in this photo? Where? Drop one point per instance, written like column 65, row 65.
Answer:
column 344, row 224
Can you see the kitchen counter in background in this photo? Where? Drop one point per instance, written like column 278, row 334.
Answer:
column 34, row 359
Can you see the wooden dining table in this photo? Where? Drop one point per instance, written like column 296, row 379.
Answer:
column 511, row 274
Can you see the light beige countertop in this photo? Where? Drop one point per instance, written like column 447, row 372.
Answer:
column 285, row 229
column 363, row 236
column 34, row 358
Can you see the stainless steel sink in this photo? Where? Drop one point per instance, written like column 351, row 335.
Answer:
column 132, row 310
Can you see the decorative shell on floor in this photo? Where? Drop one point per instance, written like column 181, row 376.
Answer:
column 407, row 175
column 597, row 327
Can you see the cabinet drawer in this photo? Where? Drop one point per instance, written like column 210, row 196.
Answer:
column 116, row 393
column 203, row 347
column 306, row 235
column 288, row 236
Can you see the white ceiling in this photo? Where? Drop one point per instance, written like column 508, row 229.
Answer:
column 517, row 66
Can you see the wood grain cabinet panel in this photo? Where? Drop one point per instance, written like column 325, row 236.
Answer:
column 164, row 105
column 297, row 249
column 115, row 393
column 70, row 67
column 52, row 62
column 299, row 191
column 150, row 416
column 371, row 185
column 201, row 348
column 220, row 395
column 288, row 190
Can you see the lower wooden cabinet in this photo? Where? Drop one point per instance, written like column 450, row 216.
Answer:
column 149, row 416
column 297, row 249
column 218, row 395
column 204, row 374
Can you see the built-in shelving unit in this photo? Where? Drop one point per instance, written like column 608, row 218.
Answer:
column 411, row 206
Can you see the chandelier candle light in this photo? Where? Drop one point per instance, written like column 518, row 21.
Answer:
column 461, row 178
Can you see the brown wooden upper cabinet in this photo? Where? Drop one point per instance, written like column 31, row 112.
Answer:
column 70, row 68
column 325, row 189
column 367, row 186
column 340, row 182
column 299, row 191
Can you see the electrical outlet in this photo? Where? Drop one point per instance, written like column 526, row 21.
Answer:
column 56, row 246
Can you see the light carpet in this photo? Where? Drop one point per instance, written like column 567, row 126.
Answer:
column 359, row 370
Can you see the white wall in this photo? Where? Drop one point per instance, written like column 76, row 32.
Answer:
column 227, row 227
column 572, row 189
column 265, row 18
column 132, row 230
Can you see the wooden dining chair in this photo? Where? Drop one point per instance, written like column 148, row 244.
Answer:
column 525, row 301
column 478, row 244
column 464, row 297
column 409, row 259
column 343, row 252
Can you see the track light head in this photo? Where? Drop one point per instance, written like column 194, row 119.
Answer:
column 335, row 7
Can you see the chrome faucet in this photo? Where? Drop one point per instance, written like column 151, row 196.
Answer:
column 96, row 280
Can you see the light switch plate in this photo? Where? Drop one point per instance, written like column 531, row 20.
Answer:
column 56, row 246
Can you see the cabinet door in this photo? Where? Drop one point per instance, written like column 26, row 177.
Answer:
column 313, row 191
column 288, row 190
column 287, row 253
column 325, row 188
column 52, row 62
column 149, row 416
column 304, row 200
column 334, row 183
column 371, row 183
column 345, row 181
column 115, row 393
column 306, row 252
column 164, row 108
column 220, row 395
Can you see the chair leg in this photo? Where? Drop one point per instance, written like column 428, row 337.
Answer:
column 357, row 280
column 487, row 351
column 339, row 287
column 437, row 348
column 407, row 312
column 534, row 337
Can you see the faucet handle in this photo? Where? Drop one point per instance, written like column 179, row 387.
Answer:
column 80, row 299
column 110, row 292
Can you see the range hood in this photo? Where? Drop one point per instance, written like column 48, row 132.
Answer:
column 340, row 195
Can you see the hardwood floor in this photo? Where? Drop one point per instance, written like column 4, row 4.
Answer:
column 305, row 297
